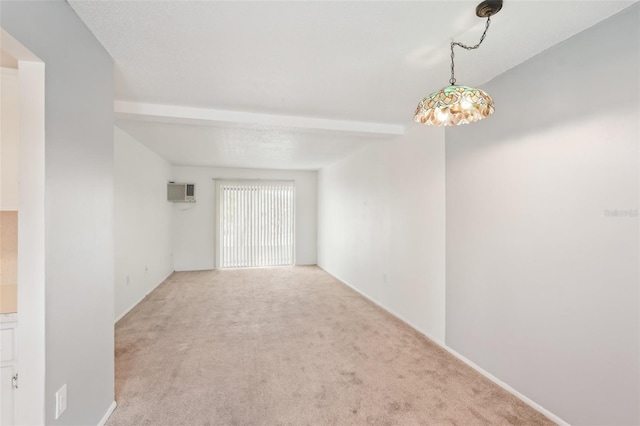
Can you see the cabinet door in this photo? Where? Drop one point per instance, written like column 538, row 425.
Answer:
column 7, row 396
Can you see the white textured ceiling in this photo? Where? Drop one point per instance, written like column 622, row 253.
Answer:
column 245, row 146
column 363, row 61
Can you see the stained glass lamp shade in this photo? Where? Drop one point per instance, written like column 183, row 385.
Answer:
column 454, row 105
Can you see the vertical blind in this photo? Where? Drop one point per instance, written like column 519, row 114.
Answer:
column 256, row 222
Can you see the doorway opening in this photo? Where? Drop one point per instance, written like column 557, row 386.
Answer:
column 255, row 223
column 24, row 403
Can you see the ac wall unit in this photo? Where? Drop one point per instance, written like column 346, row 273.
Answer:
column 181, row 192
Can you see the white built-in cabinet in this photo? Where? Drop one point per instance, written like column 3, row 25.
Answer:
column 8, row 368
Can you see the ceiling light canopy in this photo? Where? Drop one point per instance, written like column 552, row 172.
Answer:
column 456, row 104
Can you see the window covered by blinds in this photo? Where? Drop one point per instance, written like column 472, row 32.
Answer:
column 256, row 223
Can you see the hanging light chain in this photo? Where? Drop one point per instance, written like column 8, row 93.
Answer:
column 452, row 80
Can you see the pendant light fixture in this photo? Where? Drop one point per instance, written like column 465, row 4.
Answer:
column 457, row 104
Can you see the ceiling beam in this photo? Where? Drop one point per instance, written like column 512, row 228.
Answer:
column 191, row 115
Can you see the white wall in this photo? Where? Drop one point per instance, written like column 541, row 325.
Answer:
column 194, row 224
column 9, row 137
column 542, row 286
column 381, row 225
column 78, row 215
column 142, row 221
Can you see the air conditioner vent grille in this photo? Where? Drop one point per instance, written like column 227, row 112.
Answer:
column 181, row 192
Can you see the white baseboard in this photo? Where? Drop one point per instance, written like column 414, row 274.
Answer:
column 106, row 416
column 548, row 414
column 554, row 418
column 395, row 314
column 122, row 315
column 195, row 269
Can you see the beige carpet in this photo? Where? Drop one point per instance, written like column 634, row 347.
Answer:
column 289, row 346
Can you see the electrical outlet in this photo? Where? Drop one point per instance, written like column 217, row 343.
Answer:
column 61, row 400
